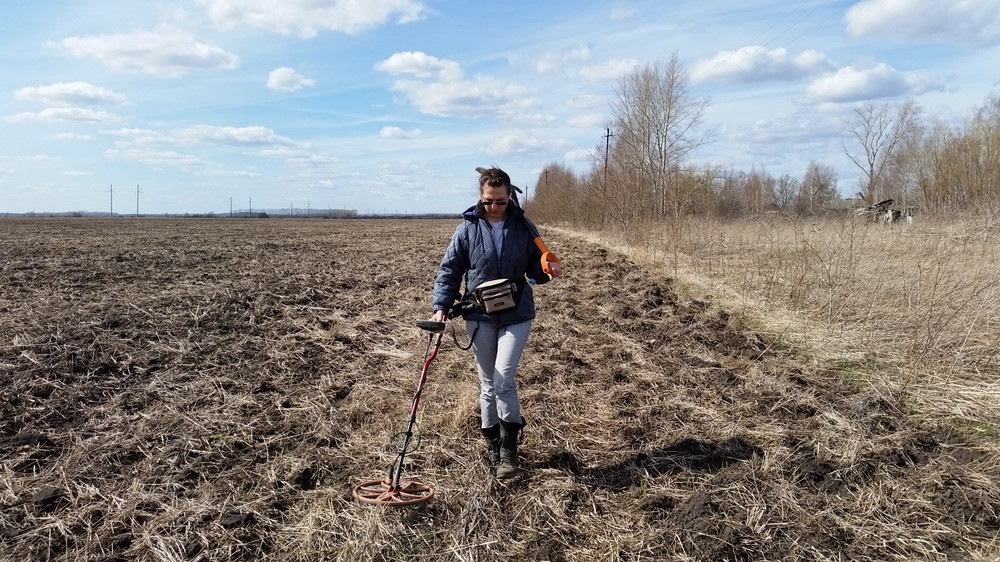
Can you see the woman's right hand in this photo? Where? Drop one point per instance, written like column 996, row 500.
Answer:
column 439, row 316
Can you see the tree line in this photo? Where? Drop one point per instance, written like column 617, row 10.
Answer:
column 643, row 173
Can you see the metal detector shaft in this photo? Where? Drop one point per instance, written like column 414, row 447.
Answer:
column 397, row 470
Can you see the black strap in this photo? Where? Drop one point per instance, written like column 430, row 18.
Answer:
column 472, row 336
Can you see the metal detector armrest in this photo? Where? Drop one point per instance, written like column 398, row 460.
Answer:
column 430, row 325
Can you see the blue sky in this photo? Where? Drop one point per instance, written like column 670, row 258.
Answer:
column 387, row 106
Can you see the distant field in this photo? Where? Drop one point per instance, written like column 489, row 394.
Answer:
column 213, row 390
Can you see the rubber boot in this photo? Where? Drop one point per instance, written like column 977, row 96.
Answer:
column 508, row 466
column 492, row 436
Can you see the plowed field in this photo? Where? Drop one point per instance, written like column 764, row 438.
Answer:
column 214, row 389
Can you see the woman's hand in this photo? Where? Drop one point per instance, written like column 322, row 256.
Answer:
column 439, row 316
column 555, row 270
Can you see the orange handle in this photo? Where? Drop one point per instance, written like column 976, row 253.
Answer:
column 547, row 256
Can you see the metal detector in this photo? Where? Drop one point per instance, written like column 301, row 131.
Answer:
column 395, row 491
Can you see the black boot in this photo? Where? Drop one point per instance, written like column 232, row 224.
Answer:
column 492, row 436
column 508, row 466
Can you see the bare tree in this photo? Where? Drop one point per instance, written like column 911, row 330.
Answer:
column 556, row 195
column 819, row 186
column 786, row 192
column 655, row 121
column 879, row 134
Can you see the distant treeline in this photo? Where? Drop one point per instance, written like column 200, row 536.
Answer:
column 647, row 173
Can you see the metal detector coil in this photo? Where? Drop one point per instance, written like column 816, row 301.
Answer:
column 395, row 491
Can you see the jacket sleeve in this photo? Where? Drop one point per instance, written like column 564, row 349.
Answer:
column 453, row 267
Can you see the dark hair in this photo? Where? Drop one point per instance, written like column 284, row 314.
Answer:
column 493, row 177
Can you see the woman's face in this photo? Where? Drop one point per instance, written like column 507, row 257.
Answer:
column 495, row 201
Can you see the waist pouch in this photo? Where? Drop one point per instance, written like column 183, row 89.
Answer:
column 494, row 296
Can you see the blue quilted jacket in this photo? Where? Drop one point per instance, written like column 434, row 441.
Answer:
column 472, row 257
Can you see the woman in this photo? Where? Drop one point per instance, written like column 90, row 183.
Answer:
column 495, row 241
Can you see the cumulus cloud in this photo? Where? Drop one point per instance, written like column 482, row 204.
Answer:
column 440, row 89
column 421, row 65
column 481, row 97
column 71, row 94
column 306, row 18
column 165, row 50
column 76, row 173
column 398, row 133
column 975, row 22
column 755, row 63
column 285, row 79
column 64, row 114
column 850, row 84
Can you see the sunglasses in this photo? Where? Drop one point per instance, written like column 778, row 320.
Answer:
column 498, row 203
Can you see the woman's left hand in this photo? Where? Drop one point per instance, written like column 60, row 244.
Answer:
column 555, row 270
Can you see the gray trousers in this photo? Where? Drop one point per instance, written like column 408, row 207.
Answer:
column 498, row 350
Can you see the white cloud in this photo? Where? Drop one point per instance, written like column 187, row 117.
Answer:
column 441, row 91
column 588, row 121
column 299, row 157
column 506, row 145
column 39, row 158
column 71, row 137
column 587, row 101
column 232, row 173
column 482, row 97
column 141, row 137
column 285, row 79
column 421, row 65
column 70, row 93
column 975, row 22
column 877, row 81
column 64, row 114
column 76, row 173
column 755, row 63
column 608, row 70
column 165, row 50
column 306, row 18
column 159, row 158
column 554, row 61
column 398, row 133
column 239, row 136
column 581, row 155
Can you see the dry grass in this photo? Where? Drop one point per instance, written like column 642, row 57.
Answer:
column 917, row 306
column 212, row 390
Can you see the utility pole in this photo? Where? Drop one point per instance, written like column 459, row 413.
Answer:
column 607, row 146
column 251, row 205
column 230, row 207
column 137, row 200
column 111, row 191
